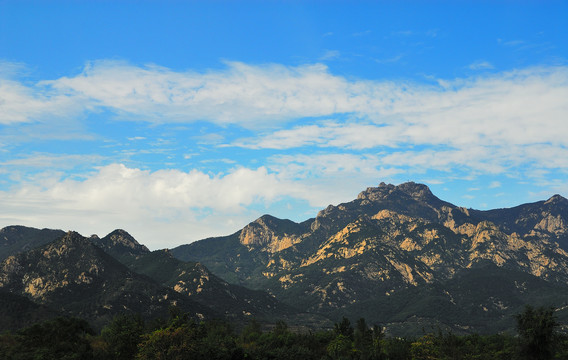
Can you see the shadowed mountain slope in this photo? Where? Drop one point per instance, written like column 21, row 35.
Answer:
column 233, row 301
column 78, row 278
column 16, row 239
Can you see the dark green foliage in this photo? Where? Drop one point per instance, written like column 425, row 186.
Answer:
column 341, row 347
column 344, row 328
column 186, row 339
column 122, row 336
column 397, row 349
column 181, row 337
column 368, row 341
column 536, row 328
column 17, row 312
column 58, row 339
column 251, row 332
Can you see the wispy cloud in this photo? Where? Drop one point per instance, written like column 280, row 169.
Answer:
column 488, row 123
column 330, row 55
column 403, row 33
column 392, row 59
column 500, row 115
column 481, row 65
column 53, row 161
column 243, row 94
column 512, row 43
column 500, row 105
column 327, row 134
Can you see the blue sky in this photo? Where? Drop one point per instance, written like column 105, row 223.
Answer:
column 182, row 120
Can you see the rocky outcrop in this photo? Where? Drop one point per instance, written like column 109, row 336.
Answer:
column 270, row 234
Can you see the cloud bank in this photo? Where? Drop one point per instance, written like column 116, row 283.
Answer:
column 182, row 206
column 318, row 138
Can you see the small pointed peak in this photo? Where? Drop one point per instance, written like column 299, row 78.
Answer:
column 265, row 219
column 73, row 235
column 269, row 221
column 556, row 199
column 121, row 237
column 120, row 232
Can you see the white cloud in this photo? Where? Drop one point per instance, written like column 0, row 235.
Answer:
column 22, row 104
column 488, row 123
column 328, row 134
column 518, row 108
column 515, row 107
column 182, row 206
column 244, row 94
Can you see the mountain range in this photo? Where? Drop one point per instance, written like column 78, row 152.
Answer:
column 396, row 255
column 400, row 255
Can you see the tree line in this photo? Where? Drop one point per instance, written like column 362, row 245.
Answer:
column 129, row 337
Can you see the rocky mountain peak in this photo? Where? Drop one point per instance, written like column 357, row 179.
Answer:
column 69, row 245
column 418, row 192
column 120, row 244
column 72, row 238
column 271, row 233
column 557, row 199
column 376, row 193
column 122, row 238
column 258, row 232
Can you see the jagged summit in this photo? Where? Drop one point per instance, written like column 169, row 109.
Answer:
column 416, row 191
column 72, row 237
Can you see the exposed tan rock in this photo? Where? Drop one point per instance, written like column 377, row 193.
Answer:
column 259, row 234
column 552, row 224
